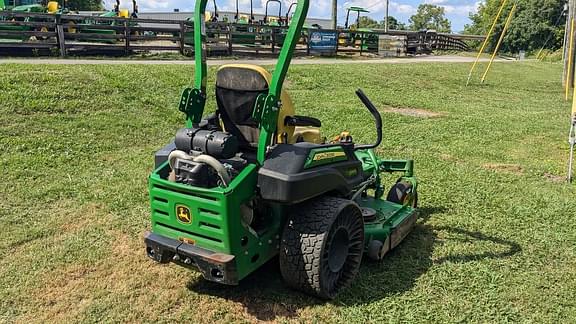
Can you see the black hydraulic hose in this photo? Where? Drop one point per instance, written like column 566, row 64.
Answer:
column 377, row 118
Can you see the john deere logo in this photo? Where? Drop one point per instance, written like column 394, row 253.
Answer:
column 183, row 214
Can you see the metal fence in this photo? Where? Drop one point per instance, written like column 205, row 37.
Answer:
column 76, row 34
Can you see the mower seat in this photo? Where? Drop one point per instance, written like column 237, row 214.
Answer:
column 237, row 88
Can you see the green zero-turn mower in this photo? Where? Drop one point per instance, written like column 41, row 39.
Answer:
column 254, row 181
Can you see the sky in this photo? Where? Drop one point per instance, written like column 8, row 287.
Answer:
column 456, row 10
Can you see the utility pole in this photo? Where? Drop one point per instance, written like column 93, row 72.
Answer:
column 570, row 15
column 334, row 13
column 386, row 21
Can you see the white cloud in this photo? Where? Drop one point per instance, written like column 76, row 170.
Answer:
column 456, row 10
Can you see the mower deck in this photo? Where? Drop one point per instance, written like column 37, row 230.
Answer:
column 392, row 223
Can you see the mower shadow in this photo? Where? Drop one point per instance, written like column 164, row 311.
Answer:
column 264, row 295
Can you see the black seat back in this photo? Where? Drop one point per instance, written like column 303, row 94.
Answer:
column 236, row 91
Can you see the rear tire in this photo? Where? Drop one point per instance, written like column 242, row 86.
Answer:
column 322, row 245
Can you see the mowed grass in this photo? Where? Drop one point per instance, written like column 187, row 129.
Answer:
column 495, row 241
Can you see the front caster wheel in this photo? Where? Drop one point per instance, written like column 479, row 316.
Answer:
column 377, row 249
column 403, row 193
column 322, row 245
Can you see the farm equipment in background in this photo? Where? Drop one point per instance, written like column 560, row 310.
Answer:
column 115, row 12
column 72, row 26
column 33, row 6
column 243, row 31
column 255, row 180
column 287, row 18
column 29, row 6
column 355, row 37
column 277, row 35
column 272, row 20
column 209, row 17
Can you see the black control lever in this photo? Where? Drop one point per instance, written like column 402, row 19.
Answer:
column 377, row 119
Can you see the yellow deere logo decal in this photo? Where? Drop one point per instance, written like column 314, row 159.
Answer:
column 328, row 155
column 183, row 214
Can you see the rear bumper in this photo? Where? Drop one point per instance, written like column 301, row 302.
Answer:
column 214, row 266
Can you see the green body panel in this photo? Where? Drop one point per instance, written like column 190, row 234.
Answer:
column 109, row 14
column 242, row 27
column 29, row 8
column 216, row 218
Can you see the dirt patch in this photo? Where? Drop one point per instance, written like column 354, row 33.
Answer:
column 501, row 167
column 413, row 112
column 554, row 178
column 451, row 159
column 90, row 216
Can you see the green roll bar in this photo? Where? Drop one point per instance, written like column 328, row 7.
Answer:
column 267, row 106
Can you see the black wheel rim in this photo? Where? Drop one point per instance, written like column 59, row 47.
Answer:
column 345, row 240
column 338, row 250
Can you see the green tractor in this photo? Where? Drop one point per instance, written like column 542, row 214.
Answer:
column 209, row 17
column 274, row 21
column 33, row 6
column 254, row 181
column 28, row 6
column 116, row 12
column 243, row 31
column 354, row 36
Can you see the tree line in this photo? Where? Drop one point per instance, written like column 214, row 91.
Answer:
column 427, row 16
column 536, row 23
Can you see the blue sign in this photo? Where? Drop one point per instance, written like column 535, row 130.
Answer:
column 323, row 41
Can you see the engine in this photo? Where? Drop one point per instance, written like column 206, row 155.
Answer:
column 205, row 158
column 215, row 143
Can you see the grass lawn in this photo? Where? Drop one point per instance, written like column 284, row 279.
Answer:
column 495, row 241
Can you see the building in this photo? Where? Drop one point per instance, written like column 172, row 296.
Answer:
column 222, row 16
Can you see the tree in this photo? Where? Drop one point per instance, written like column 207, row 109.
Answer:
column 394, row 24
column 534, row 22
column 429, row 16
column 367, row 22
column 84, row 5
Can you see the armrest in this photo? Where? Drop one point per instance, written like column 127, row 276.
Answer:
column 302, row 121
